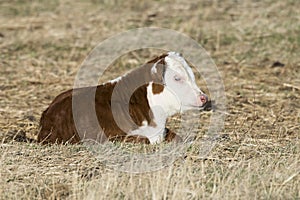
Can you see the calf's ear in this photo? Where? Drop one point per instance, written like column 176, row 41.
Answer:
column 158, row 71
column 158, row 68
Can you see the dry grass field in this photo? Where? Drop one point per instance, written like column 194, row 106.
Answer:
column 255, row 45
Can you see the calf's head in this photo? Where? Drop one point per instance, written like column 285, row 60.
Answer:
column 180, row 92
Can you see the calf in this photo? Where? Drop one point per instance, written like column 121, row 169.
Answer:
column 166, row 85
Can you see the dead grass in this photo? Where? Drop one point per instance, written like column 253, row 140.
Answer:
column 257, row 156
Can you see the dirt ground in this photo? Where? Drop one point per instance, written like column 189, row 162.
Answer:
column 255, row 45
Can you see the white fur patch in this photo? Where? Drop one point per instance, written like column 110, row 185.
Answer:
column 155, row 135
column 163, row 104
column 173, row 56
column 179, row 78
column 116, row 79
column 161, row 109
column 178, row 64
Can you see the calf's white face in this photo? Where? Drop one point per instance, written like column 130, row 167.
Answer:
column 181, row 92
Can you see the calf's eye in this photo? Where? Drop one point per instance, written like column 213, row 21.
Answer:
column 177, row 78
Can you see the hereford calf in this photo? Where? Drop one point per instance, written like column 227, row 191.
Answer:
column 149, row 94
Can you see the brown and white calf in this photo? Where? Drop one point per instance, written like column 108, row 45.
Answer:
column 168, row 87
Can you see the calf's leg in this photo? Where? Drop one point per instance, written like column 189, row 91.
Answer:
column 171, row 136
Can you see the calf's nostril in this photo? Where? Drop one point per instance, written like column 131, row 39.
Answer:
column 203, row 98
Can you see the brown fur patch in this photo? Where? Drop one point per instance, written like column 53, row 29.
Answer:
column 157, row 88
